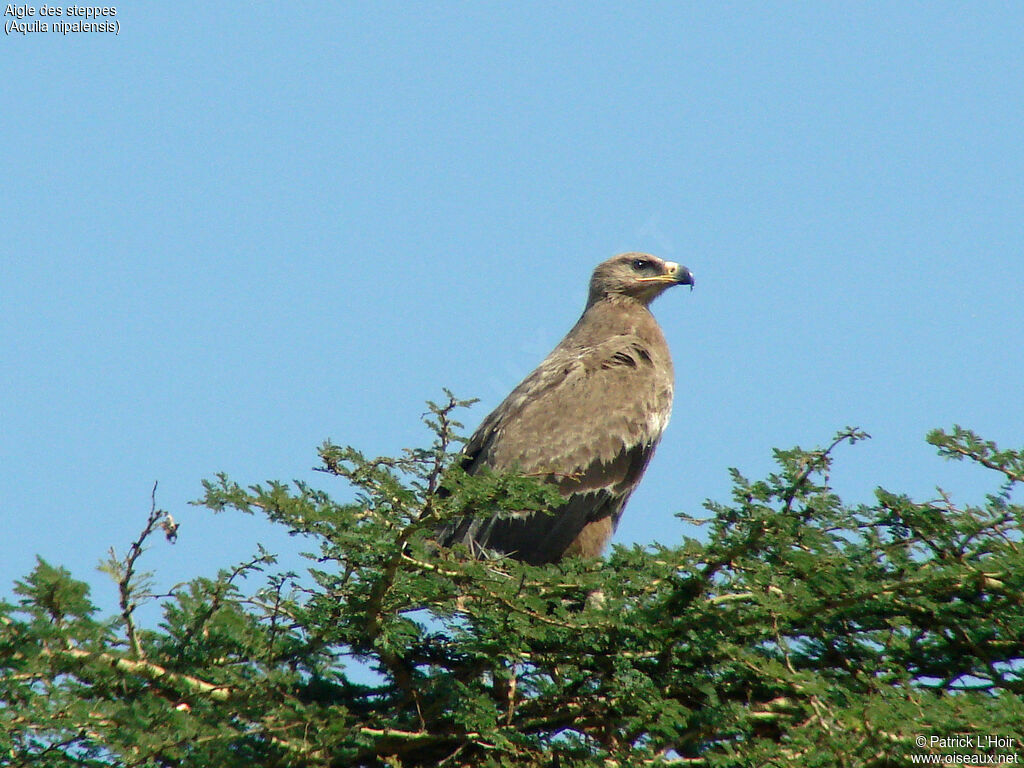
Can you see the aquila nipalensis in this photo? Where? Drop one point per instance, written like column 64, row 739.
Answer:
column 586, row 420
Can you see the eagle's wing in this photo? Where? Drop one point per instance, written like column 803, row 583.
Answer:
column 587, row 420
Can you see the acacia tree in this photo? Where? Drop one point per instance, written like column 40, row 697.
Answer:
column 797, row 630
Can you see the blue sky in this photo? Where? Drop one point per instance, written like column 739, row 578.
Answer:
column 231, row 234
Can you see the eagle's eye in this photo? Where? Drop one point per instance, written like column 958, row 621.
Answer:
column 639, row 265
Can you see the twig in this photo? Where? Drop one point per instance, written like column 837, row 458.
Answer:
column 125, row 586
column 1016, row 477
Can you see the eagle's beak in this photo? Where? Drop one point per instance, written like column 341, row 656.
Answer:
column 682, row 275
column 678, row 274
column 675, row 274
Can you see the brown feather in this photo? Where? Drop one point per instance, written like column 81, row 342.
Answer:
column 587, row 420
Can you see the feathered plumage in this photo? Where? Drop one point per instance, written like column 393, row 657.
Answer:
column 587, row 419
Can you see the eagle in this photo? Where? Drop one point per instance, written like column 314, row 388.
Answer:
column 587, row 420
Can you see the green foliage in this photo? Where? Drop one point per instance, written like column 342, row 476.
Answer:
column 796, row 631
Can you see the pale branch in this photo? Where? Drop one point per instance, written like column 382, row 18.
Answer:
column 149, row 671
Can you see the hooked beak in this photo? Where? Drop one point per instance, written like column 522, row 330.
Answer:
column 675, row 274
column 681, row 274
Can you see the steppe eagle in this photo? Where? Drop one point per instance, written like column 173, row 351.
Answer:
column 586, row 420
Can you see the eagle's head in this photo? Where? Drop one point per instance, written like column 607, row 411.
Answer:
column 638, row 276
